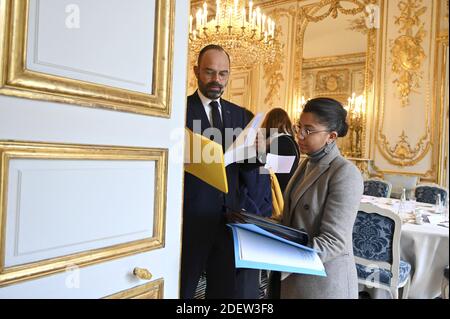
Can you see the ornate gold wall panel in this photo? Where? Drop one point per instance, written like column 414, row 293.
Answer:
column 405, row 136
column 29, row 150
column 407, row 52
column 17, row 80
column 273, row 74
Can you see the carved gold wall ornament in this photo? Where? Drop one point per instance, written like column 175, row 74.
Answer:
column 402, row 154
column 358, row 25
column 334, row 8
column 335, row 81
column 273, row 73
column 407, row 52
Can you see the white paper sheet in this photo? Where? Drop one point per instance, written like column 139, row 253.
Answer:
column 279, row 163
column 244, row 146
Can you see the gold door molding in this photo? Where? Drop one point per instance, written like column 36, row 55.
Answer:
column 17, row 80
column 152, row 290
column 29, row 150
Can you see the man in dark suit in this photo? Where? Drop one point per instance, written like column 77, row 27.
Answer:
column 207, row 241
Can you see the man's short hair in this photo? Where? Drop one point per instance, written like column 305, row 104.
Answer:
column 211, row 47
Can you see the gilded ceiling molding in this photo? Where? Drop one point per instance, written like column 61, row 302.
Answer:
column 407, row 52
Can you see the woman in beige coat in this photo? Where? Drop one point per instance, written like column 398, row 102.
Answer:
column 323, row 198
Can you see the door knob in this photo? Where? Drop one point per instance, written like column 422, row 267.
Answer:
column 142, row 273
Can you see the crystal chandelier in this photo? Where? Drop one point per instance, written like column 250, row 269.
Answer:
column 244, row 31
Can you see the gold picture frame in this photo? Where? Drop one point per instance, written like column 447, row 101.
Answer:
column 17, row 80
column 31, row 150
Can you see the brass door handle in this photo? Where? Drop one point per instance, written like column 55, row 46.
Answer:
column 142, row 273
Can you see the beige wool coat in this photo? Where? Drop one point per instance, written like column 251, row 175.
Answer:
column 325, row 204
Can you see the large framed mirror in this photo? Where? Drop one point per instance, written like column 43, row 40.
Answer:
column 337, row 52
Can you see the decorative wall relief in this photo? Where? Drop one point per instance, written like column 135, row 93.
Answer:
column 273, row 73
column 335, row 81
column 407, row 52
column 406, row 137
column 402, row 153
column 335, row 8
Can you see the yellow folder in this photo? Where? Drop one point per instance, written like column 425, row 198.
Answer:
column 204, row 159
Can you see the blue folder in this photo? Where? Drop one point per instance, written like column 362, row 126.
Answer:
column 257, row 248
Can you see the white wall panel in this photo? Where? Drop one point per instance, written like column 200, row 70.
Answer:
column 59, row 207
column 103, row 41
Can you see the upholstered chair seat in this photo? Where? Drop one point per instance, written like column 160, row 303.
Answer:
column 376, row 246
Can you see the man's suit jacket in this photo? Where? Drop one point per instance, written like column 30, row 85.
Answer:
column 204, row 205
column 325, row 204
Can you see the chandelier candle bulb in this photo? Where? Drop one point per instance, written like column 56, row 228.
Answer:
column 218, row 12
column 250, row 11
column 205, row 14
column 198, row 18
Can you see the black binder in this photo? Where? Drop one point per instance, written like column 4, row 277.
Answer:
column 288, row 233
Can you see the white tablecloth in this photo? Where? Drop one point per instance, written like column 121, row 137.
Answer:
column 426, row 248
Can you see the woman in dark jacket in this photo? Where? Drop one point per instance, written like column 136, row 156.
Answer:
column 280, row 141
column 279, row 135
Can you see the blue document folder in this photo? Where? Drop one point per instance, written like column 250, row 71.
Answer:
column 256, row 248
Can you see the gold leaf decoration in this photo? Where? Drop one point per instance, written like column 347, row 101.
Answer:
column 402, row 153
column 407, row 52
column 334, row 8
column 273, row 72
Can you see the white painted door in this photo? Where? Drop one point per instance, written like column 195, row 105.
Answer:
column 92, row 111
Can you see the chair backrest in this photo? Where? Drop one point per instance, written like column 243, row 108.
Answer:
column 377, row 187
column 427, row 193
column 399, row 182
column 376, row 239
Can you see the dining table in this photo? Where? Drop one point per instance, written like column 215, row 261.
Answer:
column 424, row 244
